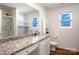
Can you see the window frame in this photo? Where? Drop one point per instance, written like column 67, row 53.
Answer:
column 60, row 16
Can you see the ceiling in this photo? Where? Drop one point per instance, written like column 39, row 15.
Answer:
column 48, row 6
column 22, row 7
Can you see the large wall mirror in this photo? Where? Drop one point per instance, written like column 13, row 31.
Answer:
column 17, row 19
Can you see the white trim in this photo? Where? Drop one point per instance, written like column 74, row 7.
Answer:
column 69, row 48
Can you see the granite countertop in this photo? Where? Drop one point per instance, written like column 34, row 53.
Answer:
column 11, row 46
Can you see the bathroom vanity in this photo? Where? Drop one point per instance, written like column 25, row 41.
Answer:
column 31, row 45
column 15, row 26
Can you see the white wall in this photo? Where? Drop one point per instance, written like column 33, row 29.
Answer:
column 67, row 38
column 29, row 17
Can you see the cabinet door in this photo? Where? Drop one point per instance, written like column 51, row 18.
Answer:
column 48, row 46
column 44, row 47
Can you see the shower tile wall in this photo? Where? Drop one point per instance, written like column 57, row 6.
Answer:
column 7, row 24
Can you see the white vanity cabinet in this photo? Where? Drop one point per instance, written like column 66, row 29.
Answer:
column 44, row 47
column 28, row 50
column 40, row 48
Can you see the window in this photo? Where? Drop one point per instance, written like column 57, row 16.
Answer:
column 35, row 22
column 66, row 20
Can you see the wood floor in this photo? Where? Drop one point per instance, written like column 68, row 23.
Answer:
column 60, row 51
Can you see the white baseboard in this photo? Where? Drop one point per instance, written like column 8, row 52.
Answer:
column 67, row 48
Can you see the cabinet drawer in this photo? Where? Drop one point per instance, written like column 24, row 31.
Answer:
column 44, row 47
column 32, row 48
column 28, row 50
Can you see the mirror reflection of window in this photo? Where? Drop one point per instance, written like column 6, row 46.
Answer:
column 35, row 22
